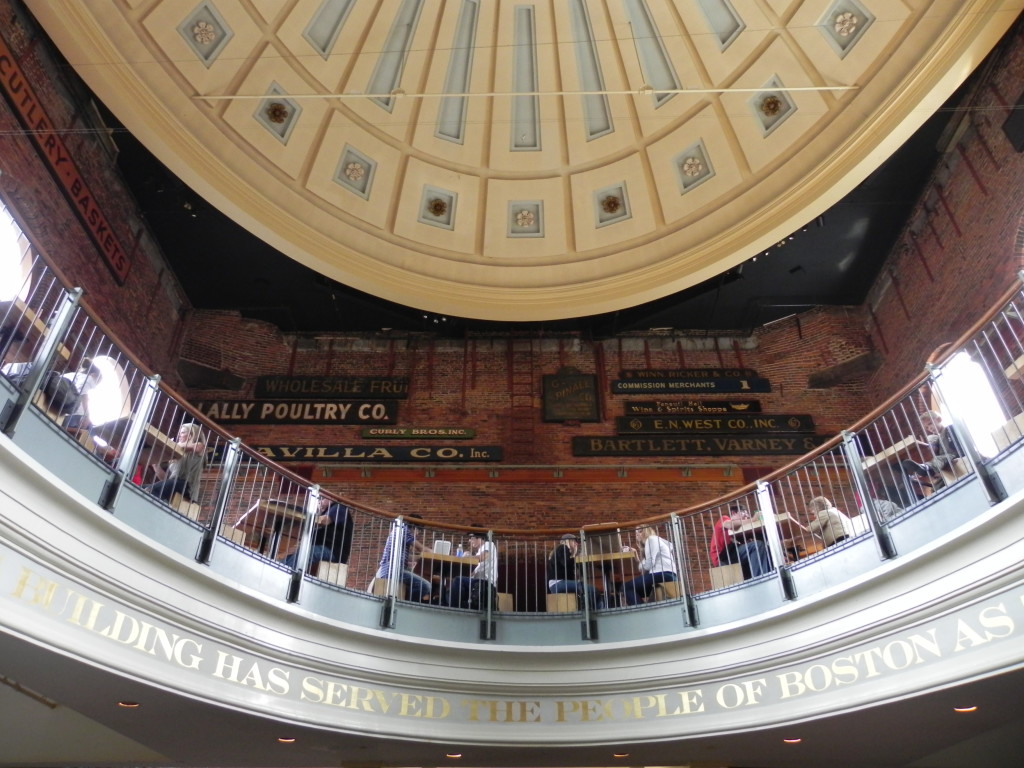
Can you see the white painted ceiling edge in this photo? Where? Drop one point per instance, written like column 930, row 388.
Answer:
column 803, row 167
column 69, row 570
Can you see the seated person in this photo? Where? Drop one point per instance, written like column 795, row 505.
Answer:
column 945, row 448
column 825, row 521
column 562, row 572
column 417, row 589
column 885, row 507
column 751, row 554
column 332, row 536
column 468, row 591
column 658, row 565
column 182, row 474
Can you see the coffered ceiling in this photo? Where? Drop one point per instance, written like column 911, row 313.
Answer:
column 526, row 161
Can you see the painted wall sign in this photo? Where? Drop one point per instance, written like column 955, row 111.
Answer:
column 710, row 445
column 570, row 396
column 364, row 453
column 652, row 407
column 928, row 653
column 753, row 422
column 58, row 159
column 299, row 411
column 326, row 387
column 689, row 386
column 689, row 373
column 442, row 433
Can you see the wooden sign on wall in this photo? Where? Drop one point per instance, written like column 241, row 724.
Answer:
column 754, row 422
column 653, row 407
column 688, row 373
column 327, row 387
column 570, row 396
column 689, row 386
column 383, row 453
column 708, row 445
column 299, row 411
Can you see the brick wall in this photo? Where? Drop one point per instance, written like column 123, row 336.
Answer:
column 146, row 312
column 960, row 250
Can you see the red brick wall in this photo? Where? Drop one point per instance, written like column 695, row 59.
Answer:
column 961, row 248
column 960, row 251
column 467, row 384
column 146, row 312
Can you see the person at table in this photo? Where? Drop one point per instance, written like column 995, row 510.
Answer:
column 944, row 446
column 332, row 536
column 469, row 591
column 182, row 474
column 825, row 521
column 562, row 572
column 725, row 548
column 658, row 565
column 417, row 589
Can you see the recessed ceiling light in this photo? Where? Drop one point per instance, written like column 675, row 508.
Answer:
column 286, row 739
column 792, row 741
column 454, row 755
column 621, row 754
column 128, row 704
column 965, row 709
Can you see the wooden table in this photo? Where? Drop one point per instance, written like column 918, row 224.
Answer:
column 270, row 522
column 604, row 567
column 444, row 568
column 901, row 447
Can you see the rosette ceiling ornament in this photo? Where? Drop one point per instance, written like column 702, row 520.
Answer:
column 523, row 160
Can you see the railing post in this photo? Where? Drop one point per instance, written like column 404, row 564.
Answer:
column 228, row 472
column 488, row 630
column 43, row 359
column 588, row 630
column 774, row 540
column 855, row 466
column 132, row 443
column 683, row 565
column 989, row 480
column 305, row 543
column 396, row 564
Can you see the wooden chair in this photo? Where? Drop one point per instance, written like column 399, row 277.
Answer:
column 506, row 604
column 188, row 508
column 332, row 573
column 380, row 588
column 726, row 575
column 562, row 603
column 666, row 590
column 229, row 532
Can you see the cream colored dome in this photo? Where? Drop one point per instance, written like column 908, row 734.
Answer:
column 523, row 160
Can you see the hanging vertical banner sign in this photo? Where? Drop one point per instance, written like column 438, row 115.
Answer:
column 58, row 159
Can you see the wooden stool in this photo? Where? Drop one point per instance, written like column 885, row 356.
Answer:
column 189, row 509
column 726, row 575
column 505, row 602
column 562, row 603
column 667, row 590
column 333, row 573
column 229, row 532
column 380, row 588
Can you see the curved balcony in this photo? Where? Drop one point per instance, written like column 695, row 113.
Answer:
column 913, row 588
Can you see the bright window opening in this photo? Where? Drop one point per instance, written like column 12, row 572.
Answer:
column 108, row 398
column 966, row 389
column 14, row 259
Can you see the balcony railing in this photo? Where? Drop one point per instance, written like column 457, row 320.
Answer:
column 871, row 494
